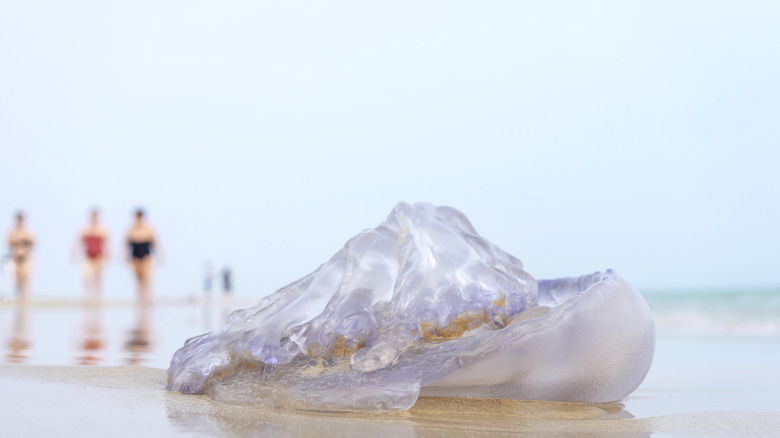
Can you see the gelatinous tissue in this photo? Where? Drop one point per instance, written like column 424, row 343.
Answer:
column 423, row 305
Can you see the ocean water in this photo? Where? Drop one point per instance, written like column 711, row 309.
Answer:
column 723, row 313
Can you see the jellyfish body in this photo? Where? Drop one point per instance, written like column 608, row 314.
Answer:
column 422, row 303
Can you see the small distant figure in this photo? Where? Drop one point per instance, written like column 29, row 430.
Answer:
column 93, row 244
column 227, row 291
column 20, row 243
column 142, row 244
column 208, row 279
column 227, row 287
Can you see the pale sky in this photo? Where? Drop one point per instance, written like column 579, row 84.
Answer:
column 638, row 136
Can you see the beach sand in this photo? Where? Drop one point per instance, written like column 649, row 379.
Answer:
column 43, row 401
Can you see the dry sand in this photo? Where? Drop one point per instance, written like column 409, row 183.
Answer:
column 45, row 401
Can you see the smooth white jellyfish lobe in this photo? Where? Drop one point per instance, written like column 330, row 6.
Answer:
column 423, row 302
column 594, row 344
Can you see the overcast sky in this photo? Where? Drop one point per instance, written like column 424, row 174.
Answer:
column 578, row 136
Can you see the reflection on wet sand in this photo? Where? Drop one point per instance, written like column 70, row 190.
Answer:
column 92, row 347
column 430, row 416
column 19, row 340
column 226, row 308
column 92, row 332
column 222, row 306
column 138, row 347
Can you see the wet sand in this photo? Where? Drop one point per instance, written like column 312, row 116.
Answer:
column 42, row 401
column 697, row 386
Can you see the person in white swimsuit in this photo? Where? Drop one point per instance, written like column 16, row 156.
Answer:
column 20, row 244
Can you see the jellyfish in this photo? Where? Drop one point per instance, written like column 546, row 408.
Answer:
column 423, row 305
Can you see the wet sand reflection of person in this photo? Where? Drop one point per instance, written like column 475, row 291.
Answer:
column 138, row 346
column 20, row 243
column 208, row 284
column 92, row 345
column 19, row 341
column 142, row 244
column 93, row 244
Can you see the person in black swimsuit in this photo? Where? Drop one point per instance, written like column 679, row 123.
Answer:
column 141, row 245
column 140, row 250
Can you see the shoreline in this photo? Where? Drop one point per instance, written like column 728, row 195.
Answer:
column 128, row 400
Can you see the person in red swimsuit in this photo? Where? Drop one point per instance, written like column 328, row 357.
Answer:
column 93, row 245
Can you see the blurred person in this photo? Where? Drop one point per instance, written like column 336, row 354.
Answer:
column 20, row 243
column 208, row 279
column 227, row 286
column 142, row 244
column 227, row 291
column 93, row 244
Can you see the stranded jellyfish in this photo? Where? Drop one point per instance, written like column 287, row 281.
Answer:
column 422, row 304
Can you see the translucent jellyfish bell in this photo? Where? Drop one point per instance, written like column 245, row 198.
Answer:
column 423, row 304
